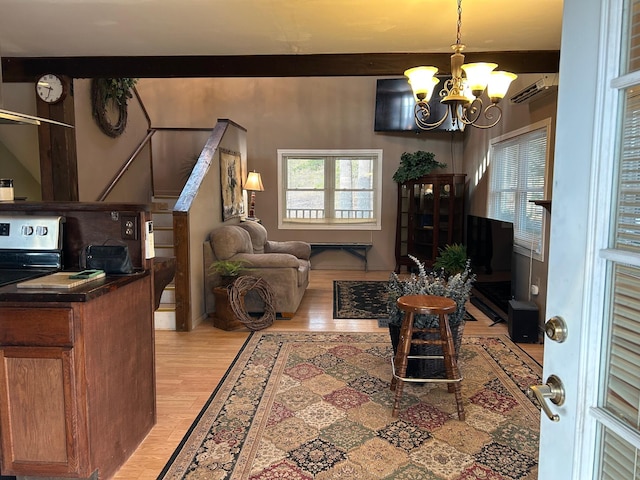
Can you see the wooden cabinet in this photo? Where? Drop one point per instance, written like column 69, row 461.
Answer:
column 430, row 216
column 77, row 382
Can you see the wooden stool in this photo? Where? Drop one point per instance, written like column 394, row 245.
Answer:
column 428, row 305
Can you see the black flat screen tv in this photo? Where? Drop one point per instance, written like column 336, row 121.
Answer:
column 395, row 107
column 489, row 245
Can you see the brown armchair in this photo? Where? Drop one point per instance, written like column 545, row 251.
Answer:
column 285, row 266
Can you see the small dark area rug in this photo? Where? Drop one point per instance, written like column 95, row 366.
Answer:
column 360, row 299
column 364, row 299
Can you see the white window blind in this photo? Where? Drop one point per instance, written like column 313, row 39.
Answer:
column 338, row 189
column 517, row 176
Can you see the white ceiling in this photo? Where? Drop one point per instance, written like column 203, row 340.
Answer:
column 51, row 28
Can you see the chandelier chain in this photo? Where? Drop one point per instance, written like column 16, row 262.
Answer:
column 458, row 35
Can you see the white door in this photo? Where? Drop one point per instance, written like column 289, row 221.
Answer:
column 594, row 255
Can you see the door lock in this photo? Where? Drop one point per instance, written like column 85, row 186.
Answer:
column 556, row 329
column 554, row 391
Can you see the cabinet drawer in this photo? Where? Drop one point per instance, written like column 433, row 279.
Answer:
column 36, row 326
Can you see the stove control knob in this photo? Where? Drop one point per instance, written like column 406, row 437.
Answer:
column 27, row 230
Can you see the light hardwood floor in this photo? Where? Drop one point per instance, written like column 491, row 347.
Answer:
column 189, row 365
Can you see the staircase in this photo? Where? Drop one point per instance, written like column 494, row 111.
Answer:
column 162, row 216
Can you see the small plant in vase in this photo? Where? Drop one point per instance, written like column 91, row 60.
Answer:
column 228, row 270
column 452, row 259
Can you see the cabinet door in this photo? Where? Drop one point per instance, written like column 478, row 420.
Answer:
column 423, row 231
column 38, row 412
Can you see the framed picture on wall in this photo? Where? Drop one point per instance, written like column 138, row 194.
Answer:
column 231, row 184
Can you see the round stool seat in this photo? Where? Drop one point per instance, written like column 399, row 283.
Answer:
column 427, row 304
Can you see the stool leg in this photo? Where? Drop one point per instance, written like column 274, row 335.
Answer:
column 451, row 365
column 400, row 361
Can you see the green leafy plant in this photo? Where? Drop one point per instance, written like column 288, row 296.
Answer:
column 415, row 165
column 119, row 90
column 452, row 259
column 228, row 268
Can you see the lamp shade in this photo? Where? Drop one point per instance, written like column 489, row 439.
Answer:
column 478, row 75
column 499, row 84
column 422, row 82
column 254, row 182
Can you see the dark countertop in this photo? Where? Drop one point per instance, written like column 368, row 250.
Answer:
column 82, row 293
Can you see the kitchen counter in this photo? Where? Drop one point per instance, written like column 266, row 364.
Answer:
column 77, row 377
column 82, row 293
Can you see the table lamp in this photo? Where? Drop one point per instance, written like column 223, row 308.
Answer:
column 253, row 184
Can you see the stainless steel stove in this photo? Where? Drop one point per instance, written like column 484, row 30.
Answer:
column 30, row 246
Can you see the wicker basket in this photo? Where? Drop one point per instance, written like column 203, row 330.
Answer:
column 425, row 368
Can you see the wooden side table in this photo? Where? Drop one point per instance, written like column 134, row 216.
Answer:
column 223, row 317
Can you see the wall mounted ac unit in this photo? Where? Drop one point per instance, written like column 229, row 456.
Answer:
column 546, row 85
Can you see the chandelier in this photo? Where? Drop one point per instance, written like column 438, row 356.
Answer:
column 460, row 94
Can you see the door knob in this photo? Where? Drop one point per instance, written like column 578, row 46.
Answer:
column 556, row 329
column 554, row 391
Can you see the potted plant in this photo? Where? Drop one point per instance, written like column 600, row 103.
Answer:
column 452, row 259
column 228, row 270
column 416, row 165
column 456, row 286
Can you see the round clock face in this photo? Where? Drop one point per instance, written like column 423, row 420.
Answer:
column 50, row 88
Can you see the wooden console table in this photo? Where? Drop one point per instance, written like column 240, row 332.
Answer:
column 358, row 250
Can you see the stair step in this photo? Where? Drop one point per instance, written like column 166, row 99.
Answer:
column 162, row 235
column 168, row 296
column 164, row 320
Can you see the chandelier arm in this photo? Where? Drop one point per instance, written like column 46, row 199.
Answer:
column 488, row 113
column 422, row 112
column 471, row 112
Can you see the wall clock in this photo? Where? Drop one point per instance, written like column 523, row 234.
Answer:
column 50, row 88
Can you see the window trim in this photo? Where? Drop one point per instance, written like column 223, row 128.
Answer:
column 376, row 224
column 519, row 248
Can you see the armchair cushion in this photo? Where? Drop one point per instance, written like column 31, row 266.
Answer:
column 230, row 240
column 260, row 243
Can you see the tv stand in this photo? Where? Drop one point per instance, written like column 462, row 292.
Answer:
column 488, row 310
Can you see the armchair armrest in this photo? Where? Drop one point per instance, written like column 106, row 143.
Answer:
column 302, row 250
column 267, row 260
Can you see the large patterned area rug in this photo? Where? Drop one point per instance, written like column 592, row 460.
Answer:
column 363, row 299
column 300, row 406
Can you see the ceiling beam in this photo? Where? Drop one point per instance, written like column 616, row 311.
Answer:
column 27, row 69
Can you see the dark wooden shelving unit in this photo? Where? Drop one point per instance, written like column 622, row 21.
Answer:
column 430, row 216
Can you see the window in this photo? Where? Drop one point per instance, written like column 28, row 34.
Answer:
column 338, row 189
column 517, row 167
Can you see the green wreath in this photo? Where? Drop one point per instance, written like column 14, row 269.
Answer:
column 114, row 93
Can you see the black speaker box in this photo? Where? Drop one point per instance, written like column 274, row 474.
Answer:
column 523, row 321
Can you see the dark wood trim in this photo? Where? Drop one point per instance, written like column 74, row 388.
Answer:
column 182, row 277
column 26, row 69
column 57, row 144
